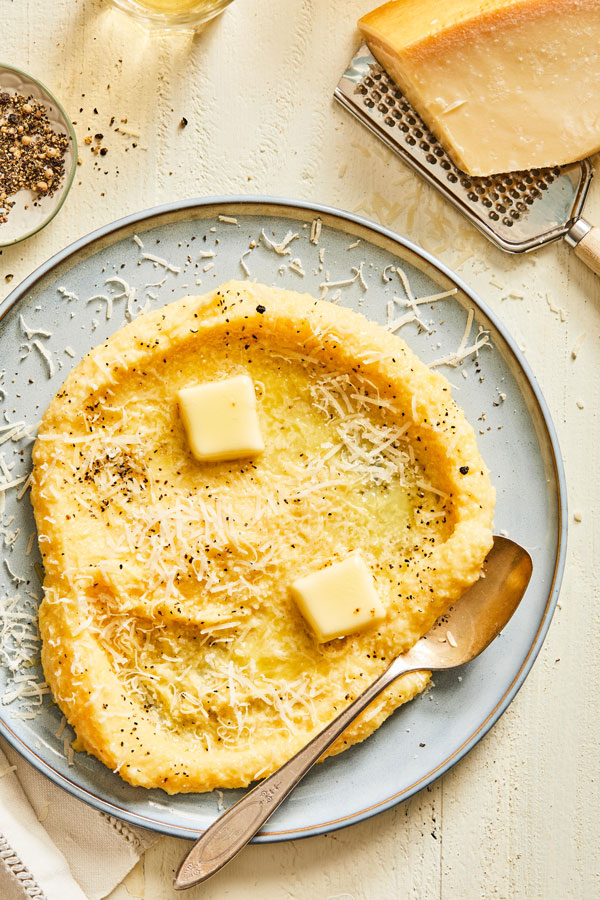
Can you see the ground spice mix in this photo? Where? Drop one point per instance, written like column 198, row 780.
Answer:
column 32, row 154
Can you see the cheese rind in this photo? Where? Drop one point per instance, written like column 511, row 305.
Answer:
column 505, row 85
column 339, row 600
column 220, row 419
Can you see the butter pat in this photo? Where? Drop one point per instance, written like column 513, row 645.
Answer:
column 503, row 84
column 339, row 600
column 220, row 419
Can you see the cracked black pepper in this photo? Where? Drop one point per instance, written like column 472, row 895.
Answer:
column 32, row 154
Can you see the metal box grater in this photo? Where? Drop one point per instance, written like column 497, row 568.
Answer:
column 518, row 211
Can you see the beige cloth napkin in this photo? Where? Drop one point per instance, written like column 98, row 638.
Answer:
column 53, row 846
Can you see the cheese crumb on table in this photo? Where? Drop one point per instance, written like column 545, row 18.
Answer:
column 220, row 419
column 339, row 600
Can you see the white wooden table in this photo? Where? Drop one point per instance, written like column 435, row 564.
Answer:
column 517, row 819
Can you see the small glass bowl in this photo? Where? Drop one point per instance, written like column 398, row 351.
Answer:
column 195, row 16
column 27, row 217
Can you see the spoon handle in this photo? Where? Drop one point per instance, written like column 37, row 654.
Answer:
column 232, row 831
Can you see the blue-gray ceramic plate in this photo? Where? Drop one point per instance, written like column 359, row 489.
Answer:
column 51, row 320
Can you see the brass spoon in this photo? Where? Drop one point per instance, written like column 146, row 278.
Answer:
column 474, row 622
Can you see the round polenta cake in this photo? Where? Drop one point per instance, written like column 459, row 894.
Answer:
column 170, row 637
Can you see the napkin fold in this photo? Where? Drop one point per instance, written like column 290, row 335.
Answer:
column 53, row 846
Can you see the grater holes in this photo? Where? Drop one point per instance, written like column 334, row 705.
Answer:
column 504, row 197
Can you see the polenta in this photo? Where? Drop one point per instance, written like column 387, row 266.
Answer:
column 171, row 639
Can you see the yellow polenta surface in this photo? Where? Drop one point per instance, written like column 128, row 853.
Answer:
column 170, row 639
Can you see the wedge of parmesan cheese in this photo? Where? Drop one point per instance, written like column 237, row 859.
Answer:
column 220, row 419
column 339, row 600
column 503, row 84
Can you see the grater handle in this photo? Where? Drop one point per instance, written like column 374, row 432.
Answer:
column 585, row 241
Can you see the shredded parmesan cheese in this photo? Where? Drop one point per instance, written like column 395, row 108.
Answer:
column 159, row 261
column 245, row 268
column 282, row 248
column 29, row 332
column 296, row 266
column 46, row 356
column 464, row 351
column 315, row 231
column 105, row 299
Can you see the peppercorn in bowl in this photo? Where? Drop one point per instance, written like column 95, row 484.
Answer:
column 38, row 155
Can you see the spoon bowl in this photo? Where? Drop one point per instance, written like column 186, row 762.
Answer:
column 457, row 637
column 466, row 629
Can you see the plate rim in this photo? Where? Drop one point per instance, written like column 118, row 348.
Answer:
column 75, row 149
column 138, row 819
